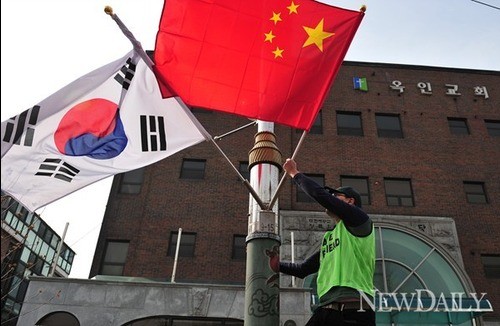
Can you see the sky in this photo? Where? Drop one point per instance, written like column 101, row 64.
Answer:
column 47, row 44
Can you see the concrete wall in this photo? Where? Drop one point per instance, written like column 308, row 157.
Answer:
column 100, row 302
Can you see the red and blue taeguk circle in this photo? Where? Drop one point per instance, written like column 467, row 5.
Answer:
column 92, row 128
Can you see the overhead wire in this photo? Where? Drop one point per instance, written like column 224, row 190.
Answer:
column 486, row 4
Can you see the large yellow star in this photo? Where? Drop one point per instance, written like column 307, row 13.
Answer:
column 316, row 35
column 276, row 17
column 278, row 52
column 269, row 36
column 292, row 8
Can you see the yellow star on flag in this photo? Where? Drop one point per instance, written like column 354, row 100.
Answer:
column 269, row 37
column 276, row 17
column 292, row 8
column 316, row 35
column 278, row 53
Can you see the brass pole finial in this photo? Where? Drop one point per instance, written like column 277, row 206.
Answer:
column 108, row 10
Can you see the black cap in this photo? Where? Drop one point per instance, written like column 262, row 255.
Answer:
column 348, row 192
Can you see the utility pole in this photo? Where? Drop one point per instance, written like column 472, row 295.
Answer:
column 263, row 241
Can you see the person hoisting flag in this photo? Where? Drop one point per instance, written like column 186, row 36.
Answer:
column 269, row 60
column 111, row 120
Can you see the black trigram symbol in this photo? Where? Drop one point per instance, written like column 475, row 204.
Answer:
column 153, row 135
column 20, row 130
column 57, row 168
column 124, row 77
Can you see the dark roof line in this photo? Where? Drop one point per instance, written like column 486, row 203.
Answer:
column 418, row 67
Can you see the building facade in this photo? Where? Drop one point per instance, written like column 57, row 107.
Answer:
column 29, row 248
column 422, row 146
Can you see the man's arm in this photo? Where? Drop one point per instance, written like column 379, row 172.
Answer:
column 355, row 219
column 351, row 215
column 301, row 270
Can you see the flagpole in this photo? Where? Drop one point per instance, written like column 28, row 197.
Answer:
column 138, row 48
column 58, row 252
column 235, row 130
column 275, row 197
column 135, row 43
column 177, row 246
column 245, row 181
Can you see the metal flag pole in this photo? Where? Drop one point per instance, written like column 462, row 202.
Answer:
column 135, row 43
column 177, row 246
column 263, row 241
column 276, row 193
column 58, row 253
column 138, row 48
column 292, row 242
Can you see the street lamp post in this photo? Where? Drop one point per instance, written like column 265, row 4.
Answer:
column 263, row 241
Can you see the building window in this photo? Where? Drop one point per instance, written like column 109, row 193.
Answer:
column 491, row 265
column 186, row 246
column 474, row 191
column 398, row 192
column 115, row 257
column 493, row 127
column 243, row 168
column 361, row 186
column 458, row 126
column 317, row 126
column 239, row 247
column 193, row 169
column 388, row 126
column 132, row 181
column 302, row 196
column 349, row 124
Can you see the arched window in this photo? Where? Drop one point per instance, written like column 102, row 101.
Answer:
column 412, row 267
column 58, row 318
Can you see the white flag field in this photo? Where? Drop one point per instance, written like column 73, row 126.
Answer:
column 110, row 121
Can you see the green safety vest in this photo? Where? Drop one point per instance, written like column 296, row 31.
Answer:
column 346, row 260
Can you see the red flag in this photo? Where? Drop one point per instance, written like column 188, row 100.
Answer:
column 273, row 60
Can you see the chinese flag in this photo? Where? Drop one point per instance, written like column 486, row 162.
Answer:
column 272, row 60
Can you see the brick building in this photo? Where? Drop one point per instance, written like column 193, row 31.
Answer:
column 421, row 144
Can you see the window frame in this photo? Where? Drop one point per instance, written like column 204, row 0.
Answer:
column 183, row 247
column 193, row 173
column 390, row 196
column 131, row 182
column 456, row 128
column 364, row 191
column 349, row 130
column 491, row 265
column 492, row 127
column 317, row 126
column 113, row 264
column 470, row 193
column 385, row 132
column 244, row 170
column 237, row 248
